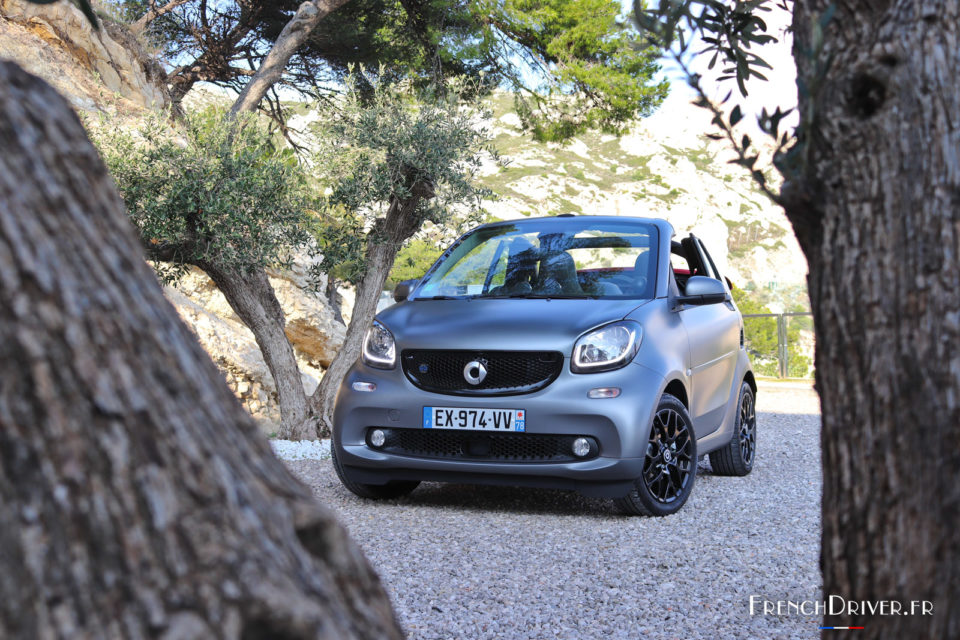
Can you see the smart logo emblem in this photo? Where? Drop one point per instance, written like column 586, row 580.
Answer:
column 475, row 372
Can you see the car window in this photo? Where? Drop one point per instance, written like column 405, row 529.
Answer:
column 552, row 257
column 468, row 274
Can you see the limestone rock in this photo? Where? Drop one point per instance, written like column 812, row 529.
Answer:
column 110, row 57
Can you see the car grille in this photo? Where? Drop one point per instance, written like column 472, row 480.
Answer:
column 462, row 445
column 508, row 372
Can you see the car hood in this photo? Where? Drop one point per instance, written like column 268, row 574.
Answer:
column 505, row 324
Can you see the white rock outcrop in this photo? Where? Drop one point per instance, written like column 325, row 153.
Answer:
column 110, row 56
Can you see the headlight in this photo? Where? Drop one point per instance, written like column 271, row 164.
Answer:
column 379, row 349
column 606, row 348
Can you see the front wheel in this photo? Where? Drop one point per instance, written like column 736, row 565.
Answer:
column 736, row 458
column 669, row 465
column 394, row 489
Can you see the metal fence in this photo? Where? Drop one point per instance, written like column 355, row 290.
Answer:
column 787, row 355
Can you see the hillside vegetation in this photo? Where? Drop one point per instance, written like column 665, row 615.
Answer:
column 665, row 167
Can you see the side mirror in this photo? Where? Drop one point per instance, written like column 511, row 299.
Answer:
column 703, row 290
column 403, row 290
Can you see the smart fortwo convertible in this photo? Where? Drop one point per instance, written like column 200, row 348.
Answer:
column 590, row 353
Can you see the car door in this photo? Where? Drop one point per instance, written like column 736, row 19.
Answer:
column 714, row 334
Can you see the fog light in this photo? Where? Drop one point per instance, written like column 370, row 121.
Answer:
column 581, row 447
column 377, row 437
column 604, row 392
column 364, row 386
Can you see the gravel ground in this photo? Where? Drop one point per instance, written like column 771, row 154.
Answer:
column 490, row 562
column 301, row 449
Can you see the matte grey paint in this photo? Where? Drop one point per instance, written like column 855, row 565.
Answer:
column 697, row 345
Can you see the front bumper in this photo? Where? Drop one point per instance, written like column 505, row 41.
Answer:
column 619, row 425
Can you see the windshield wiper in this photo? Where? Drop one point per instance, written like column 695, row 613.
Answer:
column 443, row 298
column 552, row 296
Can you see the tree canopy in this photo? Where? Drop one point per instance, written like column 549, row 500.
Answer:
column 205, row 193
column 539, row 48
column 377, row 146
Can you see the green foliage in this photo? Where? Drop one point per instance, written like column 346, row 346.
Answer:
column 380, row 145
column 761, row 338
column 599, row 69
column 414, row 260
column 573, row 63
column 340, row 239
column 200, row 194
column 728, row 29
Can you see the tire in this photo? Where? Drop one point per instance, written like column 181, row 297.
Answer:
column 670, row 463
column 393, row 489
column 736, row 458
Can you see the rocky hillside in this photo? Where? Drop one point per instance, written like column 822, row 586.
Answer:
column 94, row 69
column 665, row 167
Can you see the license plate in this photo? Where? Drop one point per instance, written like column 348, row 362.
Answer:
column 474, row 419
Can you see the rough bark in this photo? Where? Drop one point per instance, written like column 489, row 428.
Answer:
column 385, row 239
column 136, row 497
column 378, row 264
column 252, row 298
column 334, row 299
column 294, row 34
column 876, row 206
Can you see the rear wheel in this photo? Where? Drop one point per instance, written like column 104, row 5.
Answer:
column 669, row 465
column 394, row 489
column 736, row 459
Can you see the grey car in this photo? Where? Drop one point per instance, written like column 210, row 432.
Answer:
column 591, row 353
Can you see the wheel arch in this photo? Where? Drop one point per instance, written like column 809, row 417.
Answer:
column 677, row 389
column 750, row 380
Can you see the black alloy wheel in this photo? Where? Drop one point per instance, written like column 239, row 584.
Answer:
column 748, row 428
column 669, row 465
column 736, row 458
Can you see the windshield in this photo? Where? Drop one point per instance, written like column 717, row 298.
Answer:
column 555, row 258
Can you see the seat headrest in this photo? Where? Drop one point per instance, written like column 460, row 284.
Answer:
column 558, row 274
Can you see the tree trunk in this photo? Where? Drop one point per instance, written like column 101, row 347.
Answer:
column 252, row 298
column 384, row 240
column 294, row 34
column 137, row 498
column 334, row 299
column 876, row 206
column 182, row 80
column 153, row 13
column 378, row 264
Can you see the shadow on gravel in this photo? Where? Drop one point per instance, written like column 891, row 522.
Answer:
column 515, row 500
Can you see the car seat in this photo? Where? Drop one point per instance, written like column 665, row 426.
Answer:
column 521, row 269
column 641, row 272
column 558, row 274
